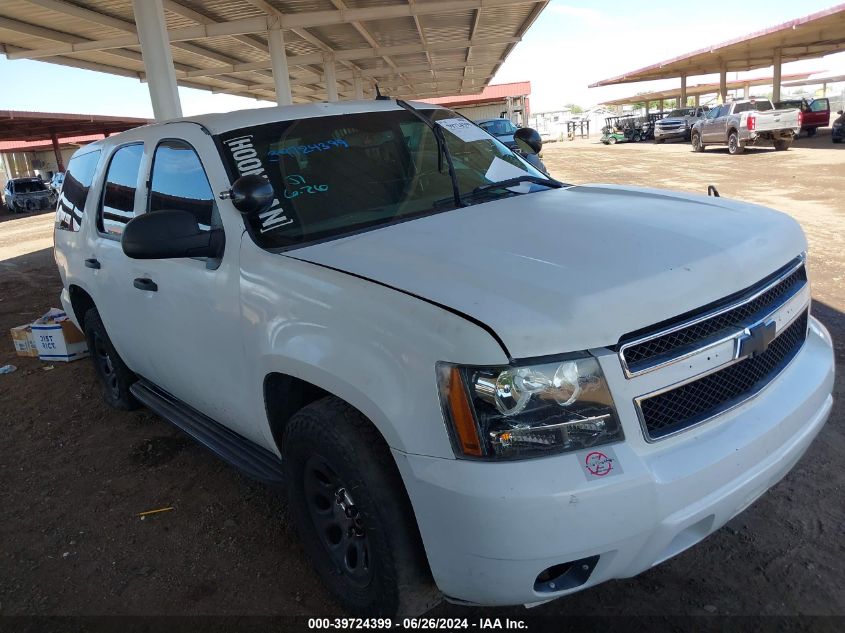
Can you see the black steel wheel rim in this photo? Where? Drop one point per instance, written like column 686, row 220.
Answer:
column 338, row 521
column 104, row 362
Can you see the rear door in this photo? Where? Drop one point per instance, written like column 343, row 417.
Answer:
column 119, row 199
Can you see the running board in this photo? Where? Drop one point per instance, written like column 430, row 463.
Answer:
column 245, row 455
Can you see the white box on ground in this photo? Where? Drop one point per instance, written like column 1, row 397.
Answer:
column 57, row 338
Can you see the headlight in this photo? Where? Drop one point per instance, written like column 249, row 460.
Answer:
column 516, row 412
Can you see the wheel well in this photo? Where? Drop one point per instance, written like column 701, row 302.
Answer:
column 285, row 395
column 732, row 131
column 81, row 302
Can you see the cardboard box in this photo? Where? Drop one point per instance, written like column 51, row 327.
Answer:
column 24, row 343
column 57, row 338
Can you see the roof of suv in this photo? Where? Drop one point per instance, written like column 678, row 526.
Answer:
column 224, row 122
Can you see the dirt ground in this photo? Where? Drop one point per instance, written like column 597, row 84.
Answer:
column 74, row 474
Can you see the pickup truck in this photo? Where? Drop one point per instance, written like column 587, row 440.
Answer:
column 473, row 380
column 816, row 112
column 746, row 122
column 678, row 124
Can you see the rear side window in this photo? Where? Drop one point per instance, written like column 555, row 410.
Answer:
column 118, row 205
column 179, row 182
column 77, row 183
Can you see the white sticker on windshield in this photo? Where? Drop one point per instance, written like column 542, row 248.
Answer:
column 500, row 170
column 464, row 130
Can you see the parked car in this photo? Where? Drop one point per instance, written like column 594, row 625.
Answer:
column 27, row 194
column 746, row 122
column 815, row 112
column 56, row 181
column 505, row 132
column 837, row 130
column 502, row 129
column 678, row 123
column 473, row 380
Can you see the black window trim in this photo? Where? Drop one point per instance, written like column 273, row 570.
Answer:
column 99, row 216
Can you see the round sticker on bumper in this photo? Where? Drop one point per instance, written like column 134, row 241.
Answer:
column 599, row 464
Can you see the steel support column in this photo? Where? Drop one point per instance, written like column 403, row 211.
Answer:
column 158, row 62
column 697, row 100
column 281, row 74
column 776, row 75
column 60, row 163
column 330, row 75
column 723, row 84
column 683, row 102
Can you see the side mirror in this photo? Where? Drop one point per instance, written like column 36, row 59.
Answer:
column 252, row 194
column 170, row 234
column 528, row 140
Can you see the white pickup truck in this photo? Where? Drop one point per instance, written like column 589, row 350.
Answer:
column 473, row 380
column 745, row 122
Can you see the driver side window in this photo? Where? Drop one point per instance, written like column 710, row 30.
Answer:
column 178, row 181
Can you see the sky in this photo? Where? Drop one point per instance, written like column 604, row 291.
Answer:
column 572, row 44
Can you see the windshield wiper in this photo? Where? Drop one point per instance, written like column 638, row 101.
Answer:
column 442, row 148
column 518, row 180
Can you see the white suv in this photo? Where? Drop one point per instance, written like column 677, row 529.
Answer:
column 473, row 380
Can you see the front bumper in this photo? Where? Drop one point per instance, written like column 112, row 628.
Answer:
column 490, row 528
column 681, row 132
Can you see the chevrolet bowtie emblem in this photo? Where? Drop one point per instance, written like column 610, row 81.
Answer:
column 756, row 339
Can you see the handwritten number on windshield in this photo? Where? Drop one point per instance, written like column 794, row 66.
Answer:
column 295, row 186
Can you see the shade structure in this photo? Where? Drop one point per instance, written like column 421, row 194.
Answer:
column 411, row 48
column 811, row 36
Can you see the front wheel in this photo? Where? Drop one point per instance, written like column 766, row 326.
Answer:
column 782, row 145
column 352, row 514
column 611, row 140
column 697, row 145
column 734, row 146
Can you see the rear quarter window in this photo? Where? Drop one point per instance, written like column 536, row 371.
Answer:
column 74, row 195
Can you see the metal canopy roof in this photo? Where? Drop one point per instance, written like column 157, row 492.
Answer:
column 701, row 89
column 809, row 37
column 42, row 126
column 816, row 81
column 409, row 47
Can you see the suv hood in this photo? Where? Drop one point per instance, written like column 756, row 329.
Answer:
column 572, row 269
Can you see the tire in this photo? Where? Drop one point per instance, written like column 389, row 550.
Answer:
column 734, row 146
column 811, row 131
column 636, row 138
column 782, row 146
column 697, row 145
column 837, row 140
column 659, row 141
column 611, row 140
column 115, row 377
column 349, row 505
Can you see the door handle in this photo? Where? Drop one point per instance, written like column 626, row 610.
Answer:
column 143, row 283
column 92, row 263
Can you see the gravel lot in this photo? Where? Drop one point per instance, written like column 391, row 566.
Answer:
column 74, row 474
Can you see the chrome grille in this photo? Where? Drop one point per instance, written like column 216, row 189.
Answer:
column 641, row 352
column 694, row 402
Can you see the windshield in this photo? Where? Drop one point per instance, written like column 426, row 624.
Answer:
column 500, row 127
column 29, row 186
column 680, row 113
column 339, row 174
